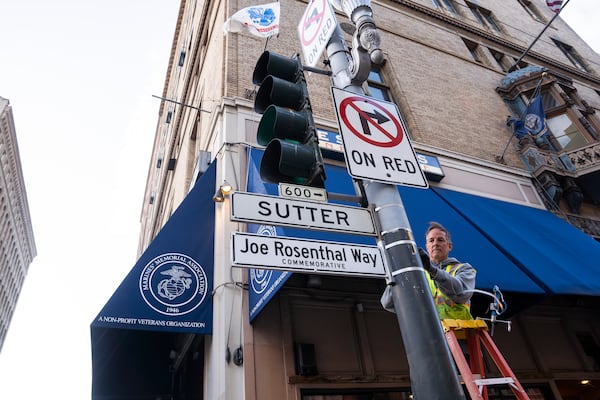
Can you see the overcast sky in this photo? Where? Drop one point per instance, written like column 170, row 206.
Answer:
column 80, row 77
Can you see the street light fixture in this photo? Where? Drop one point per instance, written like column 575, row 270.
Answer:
column 224, row 190
column 366, row 34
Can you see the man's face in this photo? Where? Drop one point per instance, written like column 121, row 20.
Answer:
column 438, row 246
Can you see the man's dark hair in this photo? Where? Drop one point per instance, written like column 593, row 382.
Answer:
column 437, row 225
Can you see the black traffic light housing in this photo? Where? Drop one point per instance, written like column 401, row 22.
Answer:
column 287, row 127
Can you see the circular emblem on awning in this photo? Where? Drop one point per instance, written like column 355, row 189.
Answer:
column 173, row 284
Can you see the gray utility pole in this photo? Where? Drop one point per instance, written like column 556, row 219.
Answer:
column 433, row 374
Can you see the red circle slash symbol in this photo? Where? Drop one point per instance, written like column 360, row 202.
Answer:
column 371, row 119
column 315, row 17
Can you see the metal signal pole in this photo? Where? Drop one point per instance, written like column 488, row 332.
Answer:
column 433, row 374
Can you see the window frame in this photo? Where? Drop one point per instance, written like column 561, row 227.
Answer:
column 532, row 11
column 484, row 16
column 476, row 51
column 502, row 60
column 571, row 55
column 560, row 107
column 447, row 5
column 379, row 85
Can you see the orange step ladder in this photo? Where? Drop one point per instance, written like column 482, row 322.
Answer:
column 473, row 375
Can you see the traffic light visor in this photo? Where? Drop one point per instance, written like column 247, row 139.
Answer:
column 277, row 65
column 277, row 91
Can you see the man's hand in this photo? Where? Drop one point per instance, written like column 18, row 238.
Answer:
column 427, row 263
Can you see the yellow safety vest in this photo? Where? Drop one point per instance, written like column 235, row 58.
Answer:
column 446, row 308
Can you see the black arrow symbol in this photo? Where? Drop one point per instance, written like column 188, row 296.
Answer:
column 314, row 17
column 375, row 115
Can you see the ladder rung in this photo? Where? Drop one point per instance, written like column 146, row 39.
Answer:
column 493, row 381
column 464, row 324
column 476, row 377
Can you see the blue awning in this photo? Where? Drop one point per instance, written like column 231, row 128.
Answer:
column 556, row 255
column 169, row 288
column 469, row 245
column 163, row 303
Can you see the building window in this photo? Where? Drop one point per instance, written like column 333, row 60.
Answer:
column 376, row 86
column 532, row 10
column 449, row 4
column 518, row 105
column 571, row 54
column 484, row 16
column 549, row 101
column 474, row 50
column 503, row 61
column 564, row 131
column 445, row 5
column 565, row 134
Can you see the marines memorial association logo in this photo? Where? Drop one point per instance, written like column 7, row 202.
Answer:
column 173, row 284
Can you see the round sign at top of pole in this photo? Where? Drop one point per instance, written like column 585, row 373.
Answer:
column 313, row 21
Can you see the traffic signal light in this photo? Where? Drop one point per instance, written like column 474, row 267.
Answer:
column 287, row 127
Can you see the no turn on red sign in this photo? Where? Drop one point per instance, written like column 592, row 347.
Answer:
column 376, row 140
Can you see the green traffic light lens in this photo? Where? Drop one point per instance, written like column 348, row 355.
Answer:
column 287, row 162
column 266, row 126
column 283, row 123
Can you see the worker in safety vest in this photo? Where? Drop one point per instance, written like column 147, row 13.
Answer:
column 450, row 281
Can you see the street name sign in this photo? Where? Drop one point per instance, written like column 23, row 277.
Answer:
column 265, row 209
column 305, row 255
column 315, row 29
column 376, row 142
